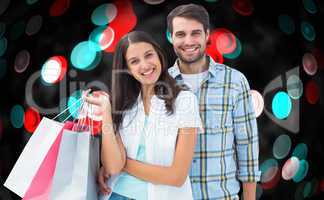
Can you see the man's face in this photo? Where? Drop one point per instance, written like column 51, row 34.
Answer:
column 189, row 39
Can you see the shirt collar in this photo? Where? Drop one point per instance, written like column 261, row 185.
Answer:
column 213, row 67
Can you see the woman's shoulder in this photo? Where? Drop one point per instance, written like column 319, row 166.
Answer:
column 185, row 98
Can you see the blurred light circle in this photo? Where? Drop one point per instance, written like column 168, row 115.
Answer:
column 281, row 146
column 309, row 64
column 22, row 61
column 300, row 151
column 211, row 48
column 74, row 104
column 3, row 67
column 268, row 170
column 299, row 191
column 153, row 2
column 34, row 25
column 274, row 181
column 286, row 24
column 290, row 168
column 168, row 36
column 3, row 46
column 104, row 14
column 302, row 171
column 321, row 185
column 17, row 116
column 236, row 52
column 225, row 41
column 243, row 7
column 281, row 105
column 101, row 38
column 294, row 87
column 312, row 92
column 32, row 119
column 54, row 69
column 84, row 57
column 59, row 7
column 310, row 6
column 308, row 31
column 17, row 30
column 2, row 29
column 30, row 2
column 4, row 4
column 258, row 102
column 259, row 191
column 307, row 189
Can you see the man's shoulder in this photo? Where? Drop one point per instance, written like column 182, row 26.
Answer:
column 236, row 75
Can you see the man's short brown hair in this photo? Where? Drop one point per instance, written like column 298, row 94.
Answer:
column 189, row 11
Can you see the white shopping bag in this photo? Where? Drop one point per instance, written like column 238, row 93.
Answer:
column 32, row 156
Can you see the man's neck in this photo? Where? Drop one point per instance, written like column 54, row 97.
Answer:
column 194, row 68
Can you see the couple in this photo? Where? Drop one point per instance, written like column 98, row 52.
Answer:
column 160, row 124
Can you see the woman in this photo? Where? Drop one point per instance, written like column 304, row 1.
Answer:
column 149, row 131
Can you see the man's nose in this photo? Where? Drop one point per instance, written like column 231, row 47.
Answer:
column 189, row 40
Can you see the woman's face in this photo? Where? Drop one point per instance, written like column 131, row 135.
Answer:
column 143, row 63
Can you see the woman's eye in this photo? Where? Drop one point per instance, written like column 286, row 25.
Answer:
column 149, row 55
column 133, row 62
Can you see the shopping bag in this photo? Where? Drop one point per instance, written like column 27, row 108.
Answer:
column 41, row 184
column 32, row 156
column 76, row 167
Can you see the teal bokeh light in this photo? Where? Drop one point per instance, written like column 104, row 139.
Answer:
column 3, row 46
column 236, row 53
column 286, row 24
column 308, row 31
column 310, row 6
column 300, row 151
column 85, row 57
column 17, row 116
column 103, row 14
column 74, row 103
column 281, row 105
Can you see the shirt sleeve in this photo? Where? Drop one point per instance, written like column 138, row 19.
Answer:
column 246, row 135
column 187, row 110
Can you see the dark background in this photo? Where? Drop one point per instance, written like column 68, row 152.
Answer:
column 267, row 53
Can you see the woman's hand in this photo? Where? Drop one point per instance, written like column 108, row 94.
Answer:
column 100, row 99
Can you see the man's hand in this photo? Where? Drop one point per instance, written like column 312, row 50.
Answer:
column 102, row 179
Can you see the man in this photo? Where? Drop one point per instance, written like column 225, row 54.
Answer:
column 227, row 150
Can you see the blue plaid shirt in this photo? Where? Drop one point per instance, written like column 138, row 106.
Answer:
column 227, row 150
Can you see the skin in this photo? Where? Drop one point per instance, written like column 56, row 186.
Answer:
column 145, row 66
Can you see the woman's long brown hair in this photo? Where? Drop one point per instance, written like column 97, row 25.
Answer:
column 126, row 89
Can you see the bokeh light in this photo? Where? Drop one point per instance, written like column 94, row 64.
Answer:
column 85, row 57
column 2, row 29
column 286, row 24
column 54, row 69
column 3, row 67
column 236, row 53
column 123, row 23
column 101, row 38
column 74, row 104
column 300, row 151
column 22, row 61
column 211, row 48
column 168, row 36
column 281, row 146
column 17, row 30
column 302, row 171
column 310, row 6
column 274, row 181
column 294, row 87
column 309, row 64
column 290, row 168
column 34, row 25
column 308, row 31
column 104, row 14
column 4, row 4
column 153, row 2
column 268, row 169
column 243, row 7
column 3, row 46
column 17, row 116
column 59, row 7
column 224, row 40
column 281, row 105
column 312, row 92
column 259, row 191
column 258, row 102
column 32, row 119
column 30, row 2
